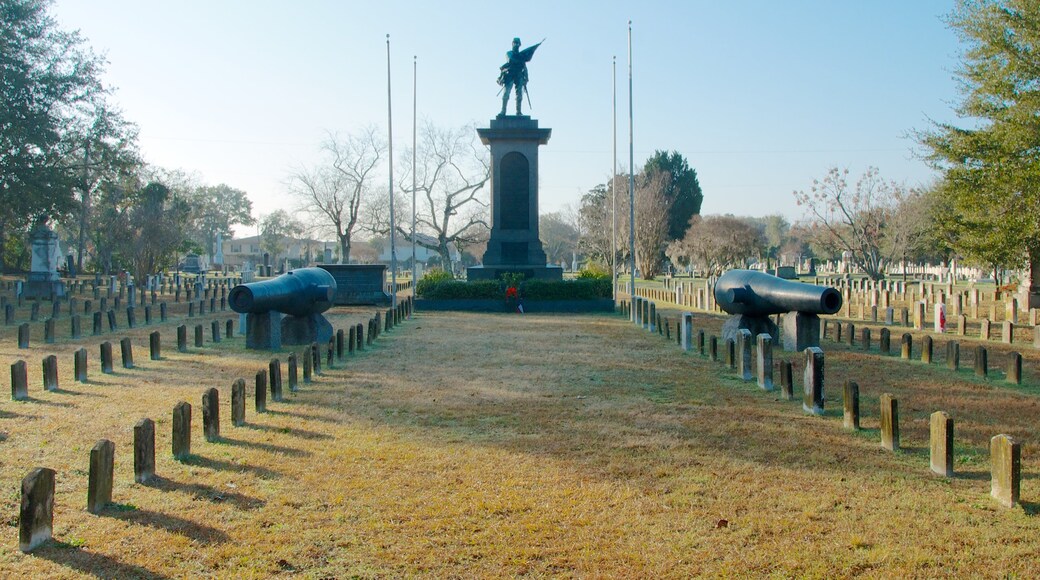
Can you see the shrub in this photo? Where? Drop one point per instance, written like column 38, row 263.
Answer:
column 459, row 290
column 593, row 271
column 582, row 289
column 432, row 278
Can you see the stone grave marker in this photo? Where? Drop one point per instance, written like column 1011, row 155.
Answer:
column 1014, row 368
column 181, row 440
column 106, row 357
column 1006, row 470
column 743, row 351
column 260, row 392
column 50, row 373
column 907, row 345
column 182, row 338
column 211, row 414
column 126, row 349
column 813, row 382
column 36, row 515
column 155, row 346
column 19, row 381
column 23, row 335
column 238, row 402
column 889, row 422
column 764, row 360
column 850, row 403
column 199, row 337
column 941, row 443
column 99, row 481
column 275, row 379
column 981, row 362
column 926, row 350
column 953, row 355
column 144, row 450
column 786, row 380
column 79, row 359
column 292, row 372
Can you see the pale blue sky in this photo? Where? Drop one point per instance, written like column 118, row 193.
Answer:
column 760, row 96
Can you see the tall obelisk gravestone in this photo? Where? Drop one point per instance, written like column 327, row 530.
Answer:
column 514, row 245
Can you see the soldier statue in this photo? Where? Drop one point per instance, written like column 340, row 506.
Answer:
column 513, row 74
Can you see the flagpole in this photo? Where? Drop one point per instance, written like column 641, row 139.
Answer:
column 415, row 77
column 390, row 160
column 613, row 193
column 631, row 178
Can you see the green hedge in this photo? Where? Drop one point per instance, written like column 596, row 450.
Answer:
column 584, row 289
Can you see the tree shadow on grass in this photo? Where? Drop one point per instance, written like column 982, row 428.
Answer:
column 218, row 465
column 295, row 432
column 205, row 492
column 972, row 475
column 91, row 563
column 173, row 524
column 268, row 447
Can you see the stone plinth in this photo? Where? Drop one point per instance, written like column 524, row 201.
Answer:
column 514, row 245
column 358, row 283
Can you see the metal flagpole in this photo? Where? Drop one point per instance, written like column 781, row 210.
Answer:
column 631, row 178
column 390, row 159
column 613, row 194
column 415, row 76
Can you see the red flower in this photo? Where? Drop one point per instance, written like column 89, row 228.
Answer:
column 511, row 292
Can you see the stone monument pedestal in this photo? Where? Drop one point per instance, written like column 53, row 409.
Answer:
column 801, row 330
column 514, row 245
column 43, row 280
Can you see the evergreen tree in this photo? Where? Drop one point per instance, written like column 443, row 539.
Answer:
column 992, row 164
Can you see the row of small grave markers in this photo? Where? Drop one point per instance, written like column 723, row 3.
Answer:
column 36, row 515
column 1005, row 452
column 847, row 331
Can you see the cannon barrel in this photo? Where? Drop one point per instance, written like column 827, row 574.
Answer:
column 299, row 292
column 758, row 294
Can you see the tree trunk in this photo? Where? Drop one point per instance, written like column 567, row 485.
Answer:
column 344, row 249
column 442, row 249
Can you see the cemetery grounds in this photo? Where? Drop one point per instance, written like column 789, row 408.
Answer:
column 477, row 445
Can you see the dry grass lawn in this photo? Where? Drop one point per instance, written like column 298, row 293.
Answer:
column 475, row 445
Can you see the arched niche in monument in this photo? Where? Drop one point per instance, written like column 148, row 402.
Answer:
column 516, row 187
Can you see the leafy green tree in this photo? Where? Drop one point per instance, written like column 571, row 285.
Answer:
column 57, row 133
column 275, row 228
column 682, row 189
column 216, row 210
column 991, row 164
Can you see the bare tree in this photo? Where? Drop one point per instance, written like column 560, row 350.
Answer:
column 651, row 231
column 853, row 220
column 452, row 168
column 716, row 243
column 332, row 192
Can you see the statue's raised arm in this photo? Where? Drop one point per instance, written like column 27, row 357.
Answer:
column 512, row 75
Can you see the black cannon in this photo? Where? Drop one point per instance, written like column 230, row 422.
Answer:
column 758, row 294
column 301, row 295
column 753, row 296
